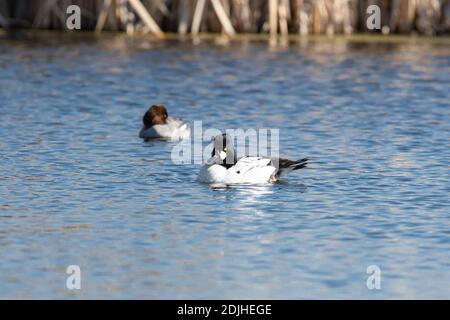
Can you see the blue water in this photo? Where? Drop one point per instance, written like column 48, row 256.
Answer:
column 78, row 187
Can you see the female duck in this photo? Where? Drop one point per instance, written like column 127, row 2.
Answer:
column 158, row 124
column 224, row 167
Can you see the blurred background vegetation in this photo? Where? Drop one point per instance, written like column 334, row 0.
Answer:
column 427, row 17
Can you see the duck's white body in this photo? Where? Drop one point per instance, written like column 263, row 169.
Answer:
column 246, row 170
column 173, row 129
column 224, row 168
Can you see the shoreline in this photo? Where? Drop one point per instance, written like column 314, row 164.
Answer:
column 253, row 37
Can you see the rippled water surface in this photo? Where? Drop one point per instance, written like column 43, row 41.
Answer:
column 78, row 187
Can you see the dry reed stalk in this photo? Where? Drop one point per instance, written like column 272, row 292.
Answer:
column 184, row 15
column 241, row 15
column 219, row 11
column 273, row 17
column 303, row 17
column 140, row 10
column 197, row 19
column 283, row 14
column 223, row 17
column 106, row 8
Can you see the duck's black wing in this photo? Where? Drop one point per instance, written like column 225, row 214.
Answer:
column 284, row 166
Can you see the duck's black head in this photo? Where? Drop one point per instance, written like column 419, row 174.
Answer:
column 156, row 114
column 224, row 144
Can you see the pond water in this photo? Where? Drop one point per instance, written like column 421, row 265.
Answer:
column 78, row 187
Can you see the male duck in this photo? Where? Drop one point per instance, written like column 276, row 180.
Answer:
column 224, row 168
column 158, row 124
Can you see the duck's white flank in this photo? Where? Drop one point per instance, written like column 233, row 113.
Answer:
column 246, row 170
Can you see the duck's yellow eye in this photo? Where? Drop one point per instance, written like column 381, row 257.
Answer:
column 225, row 149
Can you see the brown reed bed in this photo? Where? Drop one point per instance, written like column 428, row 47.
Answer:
column 425, row 17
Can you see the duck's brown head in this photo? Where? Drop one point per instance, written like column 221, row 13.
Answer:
column 156, row 114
